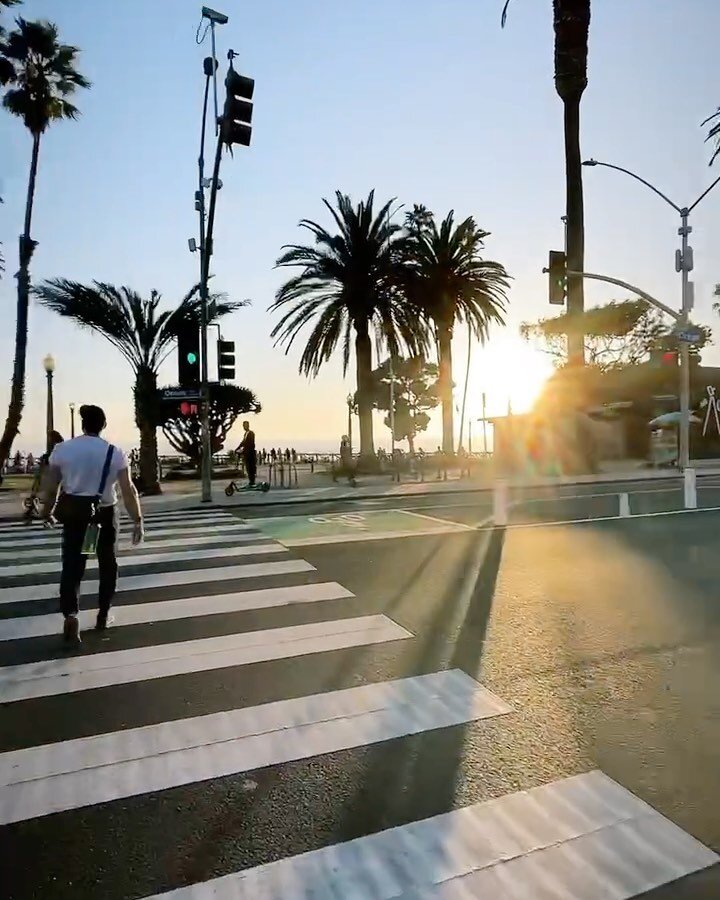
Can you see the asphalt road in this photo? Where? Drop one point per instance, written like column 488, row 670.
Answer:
column 603, row 637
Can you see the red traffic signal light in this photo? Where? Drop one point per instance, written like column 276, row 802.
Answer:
column 669, row 358
column 188, row 409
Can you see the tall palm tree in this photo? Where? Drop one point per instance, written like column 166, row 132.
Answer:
column 449, row 282
column 348, row 289
column 571, row 24
column 141, row 333
column 40, row 75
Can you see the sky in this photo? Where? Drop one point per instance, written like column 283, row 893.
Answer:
column 424, row 101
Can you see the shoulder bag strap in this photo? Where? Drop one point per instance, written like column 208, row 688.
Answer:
column 105, row 472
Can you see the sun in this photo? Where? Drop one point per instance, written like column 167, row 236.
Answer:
column 510, row 372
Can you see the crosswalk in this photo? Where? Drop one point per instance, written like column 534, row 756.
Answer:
column 233, row 662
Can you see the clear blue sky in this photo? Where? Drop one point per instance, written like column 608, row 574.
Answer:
column 425, row 101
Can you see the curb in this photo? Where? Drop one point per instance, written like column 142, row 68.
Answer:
column 299, row 501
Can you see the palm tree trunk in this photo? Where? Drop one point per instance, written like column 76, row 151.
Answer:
column 17, row 390
column 445, row 385
column 575, row 224
column 363, row 366
column 465, row 387
column 145, row 419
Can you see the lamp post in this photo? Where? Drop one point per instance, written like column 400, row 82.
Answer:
column 350, row 404
column 683, row 265
column 49, row 364
column 72, row 420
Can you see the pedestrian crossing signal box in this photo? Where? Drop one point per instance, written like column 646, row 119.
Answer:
column 189, row 356
column 557, row 274
column 226, row 360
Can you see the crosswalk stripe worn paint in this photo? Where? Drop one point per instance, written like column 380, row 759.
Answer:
column 81, row 673
column 163, row 579
column 43, row 780
column 185, row 608
column 150, row 559
column 52, row 549
column 581, row 837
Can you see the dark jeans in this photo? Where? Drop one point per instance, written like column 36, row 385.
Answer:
column 73, row 562
column 250, row 460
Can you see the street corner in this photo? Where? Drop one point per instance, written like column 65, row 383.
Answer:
column 299, row 531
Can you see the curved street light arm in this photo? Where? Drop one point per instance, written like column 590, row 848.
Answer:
column 630, row 287
column 595, row 162
column 703, row 195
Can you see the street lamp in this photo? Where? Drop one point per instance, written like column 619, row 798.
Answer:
column 49, row 365
column 72, row 420
column 350, row 400
column 683, row 265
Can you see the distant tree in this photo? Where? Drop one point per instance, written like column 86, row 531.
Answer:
column 448, row 281
column 346, row 287
column 184, row 432
column 415, row 391
column 144, row 336
column 620, row 333
column 39, row 74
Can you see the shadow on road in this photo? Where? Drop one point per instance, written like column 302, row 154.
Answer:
column 416, row 776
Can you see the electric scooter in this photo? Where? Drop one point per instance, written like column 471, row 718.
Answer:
column 234, row 487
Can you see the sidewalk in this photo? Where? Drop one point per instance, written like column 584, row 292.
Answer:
column 186, row 494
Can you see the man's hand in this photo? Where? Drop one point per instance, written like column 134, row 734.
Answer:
column 138, row 534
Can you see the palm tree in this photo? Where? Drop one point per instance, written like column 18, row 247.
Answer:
column 714, row 134
column 143, row 335
column 571, row 23
column 348, row 288
column 450, row 282
column 39, row 74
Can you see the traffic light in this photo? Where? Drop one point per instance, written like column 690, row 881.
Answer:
column 189, row 355
column 226, row 360
column 237, row 112
column 660, row 358
column 557, row 271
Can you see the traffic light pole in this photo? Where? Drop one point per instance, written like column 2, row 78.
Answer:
column 204, row 278
column 205, row 250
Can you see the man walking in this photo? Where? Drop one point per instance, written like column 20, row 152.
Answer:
column 248, row 452
column 88, row 469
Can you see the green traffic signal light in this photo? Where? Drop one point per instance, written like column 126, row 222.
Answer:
column 192, row 358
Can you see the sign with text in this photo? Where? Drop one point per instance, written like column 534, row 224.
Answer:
column 180, row 394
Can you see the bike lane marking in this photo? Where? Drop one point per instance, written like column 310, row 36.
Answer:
column 298, row 531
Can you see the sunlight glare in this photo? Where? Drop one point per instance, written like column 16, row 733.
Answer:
column 507, row 369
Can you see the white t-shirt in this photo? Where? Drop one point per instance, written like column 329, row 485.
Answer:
column 81, row 461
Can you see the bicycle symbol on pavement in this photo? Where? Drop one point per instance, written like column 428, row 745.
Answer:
column 349, row 520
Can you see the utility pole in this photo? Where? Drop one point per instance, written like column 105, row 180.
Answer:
column 683, row 265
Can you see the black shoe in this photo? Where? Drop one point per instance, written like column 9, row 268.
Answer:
column 71, row 630
column 103, row 620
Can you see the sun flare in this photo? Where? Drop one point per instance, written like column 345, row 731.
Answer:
column 510, row 372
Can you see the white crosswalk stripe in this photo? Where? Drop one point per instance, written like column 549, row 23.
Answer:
column 579, row 837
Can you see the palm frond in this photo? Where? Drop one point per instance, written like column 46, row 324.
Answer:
column 713, row 134
column 41, row 74
column 130, row 322
column 448, row 280
column 503, row 16
column 349, row 279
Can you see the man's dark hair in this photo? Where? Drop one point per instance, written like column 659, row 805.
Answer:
column 93, row 419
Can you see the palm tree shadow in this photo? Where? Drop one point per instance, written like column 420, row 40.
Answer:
column 416, row 776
